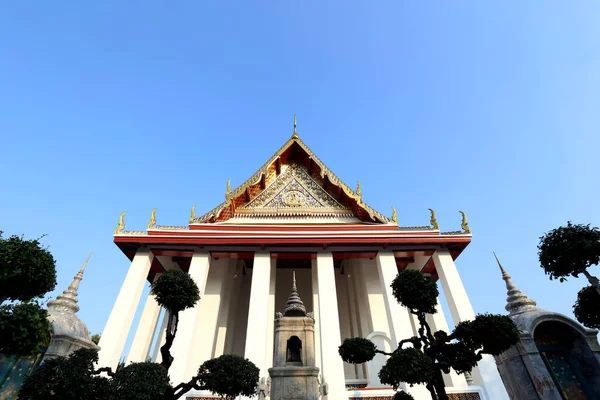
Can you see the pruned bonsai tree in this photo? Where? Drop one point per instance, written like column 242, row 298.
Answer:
column 422, row 359
column 228, row 376
column 27, row 272
column 570, row 251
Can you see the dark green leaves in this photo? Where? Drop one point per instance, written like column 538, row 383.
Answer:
column 403, row 396
column 69, row 378
column 140, row 381
column 587, row 307
column 494, row 334
column 407, row 365
column 175, row 290
column 26, row 269
column 24, row 328
column 569, row 250
column 229, row 376
column 416, row 291
column 357, row 350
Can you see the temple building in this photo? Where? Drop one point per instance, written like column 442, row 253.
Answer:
column 292, row 215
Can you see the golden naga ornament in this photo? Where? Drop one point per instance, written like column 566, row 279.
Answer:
column 358, row 190
column 433, row 221
column 121, row 225
column 394, row 215
column 228, row 190
column 152, row 222
column 465, row 225
column 193, row 214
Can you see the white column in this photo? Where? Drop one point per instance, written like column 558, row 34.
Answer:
column 437, row 322
column 119, row 323
column 161, row 339
column 271, row 316
column 256, row 333
column 184, row 338
column 332, row 367
column 398, row 315
column 222, row 328
column 315, row 294
column 485, row 374
column 140, row 347
column 202, row 346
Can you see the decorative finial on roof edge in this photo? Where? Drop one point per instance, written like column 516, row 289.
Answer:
column 516, row 302
column 228, row 190
column 68, row 299
column 152, row 222
column 394, row 215
column 465, row 225
column 295, row 134
column 358, row 190
column 121, row 225
column 193, row 214
column 294, row 307
column 433, row 220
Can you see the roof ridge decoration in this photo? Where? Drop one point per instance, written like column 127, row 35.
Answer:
column 263, row 171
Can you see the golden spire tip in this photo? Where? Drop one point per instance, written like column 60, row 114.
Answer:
column 295, row 134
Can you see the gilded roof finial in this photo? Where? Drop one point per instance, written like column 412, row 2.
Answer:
column 465, row 225
column 228, row 190
column 152, row 222
column 433, row 221
column 193, row 214
column 121, row 225
column 295, row 134
column 394, row 215
column 358, row 190
column 516, row 302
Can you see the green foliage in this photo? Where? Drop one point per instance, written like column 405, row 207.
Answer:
column 494, row 334
column 357, row 350
column 569, row 250
column 24, row 327
column 416, row 291
column 587, row 307
column 66, row 379
column 27, row 270
column 407, row 365
column 175, row 290
column 140, row 381
column 454, row 355
column 96, row 338
column 402, row 396
column 229, row 376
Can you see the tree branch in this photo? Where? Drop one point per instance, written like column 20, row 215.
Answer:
column 108, row 371
column 167, row 358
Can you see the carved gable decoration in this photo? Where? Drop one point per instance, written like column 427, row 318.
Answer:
column 294, row 192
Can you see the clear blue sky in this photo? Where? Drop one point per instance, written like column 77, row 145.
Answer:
column 487, row 107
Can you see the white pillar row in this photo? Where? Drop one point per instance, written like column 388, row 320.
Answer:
column 258, row 318
column 485, row 374
column 205, row 328
column 332, row 366
column 398, row 315
column 160, row 340
column 438, row 322
column 199, row 268
column 121, row 317
column 140, row 347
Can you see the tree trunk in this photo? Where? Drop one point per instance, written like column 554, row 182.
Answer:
column 591, row 279
column 440, row 386
column 165, row 350
column 431, row 389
